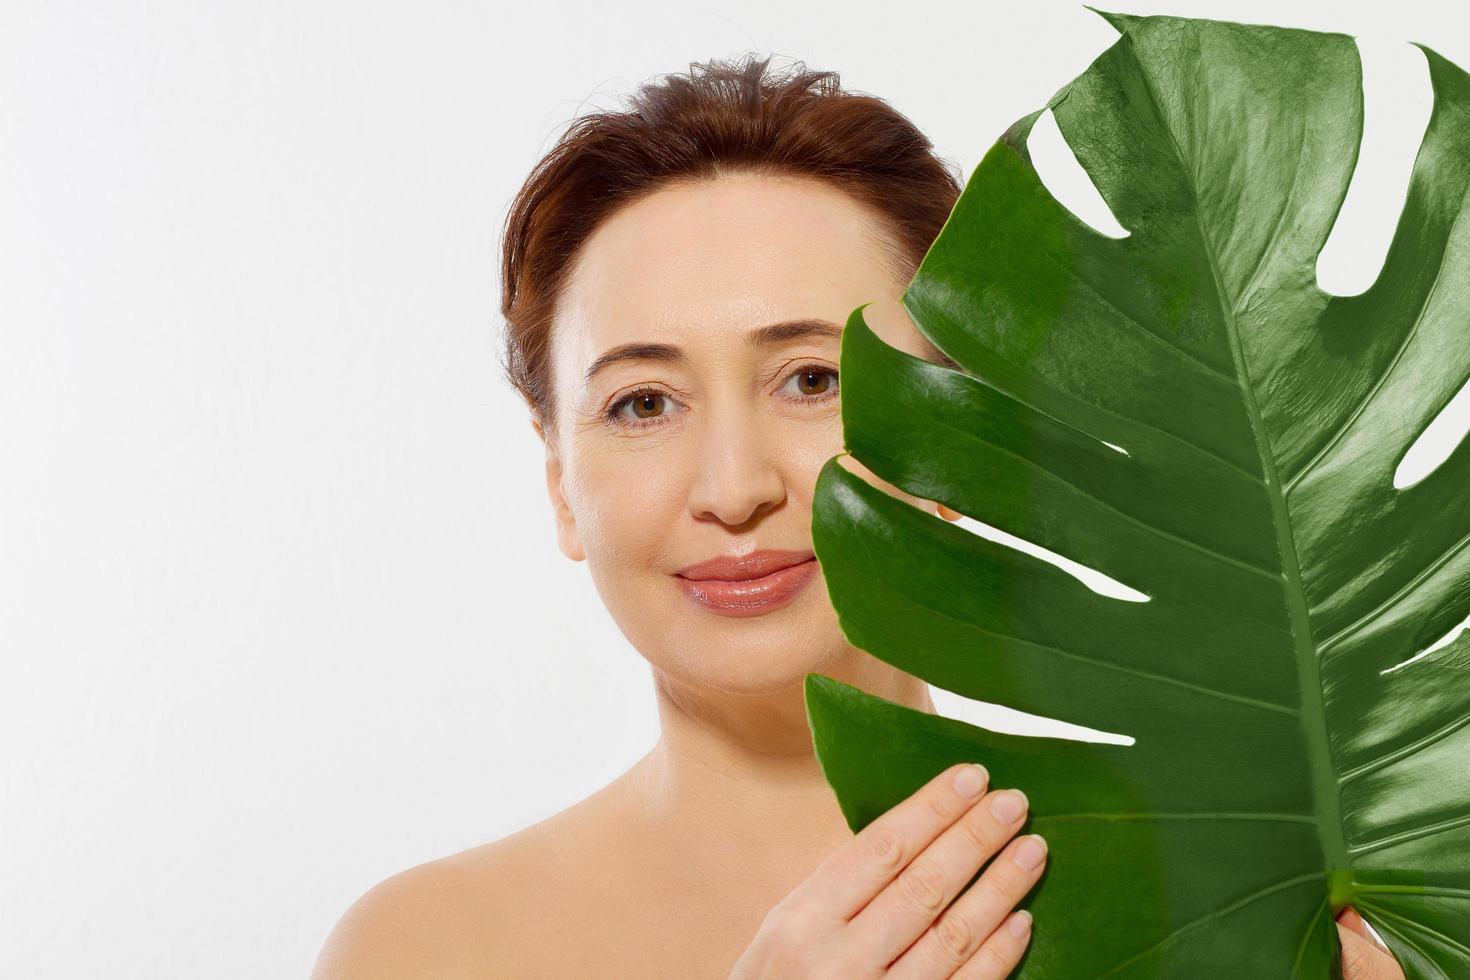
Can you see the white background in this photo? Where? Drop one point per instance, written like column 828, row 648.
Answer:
column 281, row 611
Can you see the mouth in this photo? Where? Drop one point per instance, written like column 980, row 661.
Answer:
column 751, row 586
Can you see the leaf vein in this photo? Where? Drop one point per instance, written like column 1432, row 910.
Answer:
column 1301, row 950
column 1217, row 914
column 1272, row 240
column 1104, row 664
column 1391, row 757
column 1419, row 927
column 1157, row 338
column 1139, row 522
column 1436, row 891
column 1389, row 929
column 1409, row 586
column 1427, row 830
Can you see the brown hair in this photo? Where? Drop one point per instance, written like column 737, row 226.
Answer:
column 722, row 117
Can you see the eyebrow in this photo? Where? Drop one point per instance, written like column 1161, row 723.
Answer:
column 771, row 335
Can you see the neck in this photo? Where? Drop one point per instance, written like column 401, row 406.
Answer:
column 740, row 768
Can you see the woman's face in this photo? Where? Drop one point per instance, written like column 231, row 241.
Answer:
column 661, row 462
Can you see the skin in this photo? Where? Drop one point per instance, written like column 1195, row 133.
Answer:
column 728, row 812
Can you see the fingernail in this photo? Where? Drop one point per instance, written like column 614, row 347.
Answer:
column 1030, row 852
column 970, row 780
column 1020, row 923
column 1008, row 805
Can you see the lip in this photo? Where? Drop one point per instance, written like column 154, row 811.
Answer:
column 750, row 585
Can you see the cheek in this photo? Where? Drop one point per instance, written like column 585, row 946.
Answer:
column 804, row 447
column 625, row 502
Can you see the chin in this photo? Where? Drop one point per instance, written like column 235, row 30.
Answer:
column 760, row 656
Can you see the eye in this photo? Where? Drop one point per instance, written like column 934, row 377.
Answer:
column 645, row 409
column 809, row 383
column 814, row 383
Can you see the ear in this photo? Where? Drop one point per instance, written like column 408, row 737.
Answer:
column 567, row 537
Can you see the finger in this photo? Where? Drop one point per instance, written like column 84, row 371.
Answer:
column 900, row 913
column 1361, row 960
column 1349, row 917
column 1001, row 951
column 850, row 876
column 954, row 939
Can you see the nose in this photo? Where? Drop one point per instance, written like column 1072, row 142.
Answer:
column 738, row 476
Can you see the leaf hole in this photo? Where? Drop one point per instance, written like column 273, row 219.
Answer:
column 1097, row 581
column 999, row 718
column 1439, row 644
column 1435, row 444
column 1397, row 101
column 1067, row 180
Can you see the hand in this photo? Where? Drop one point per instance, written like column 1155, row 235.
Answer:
column 879, row 905
column 1363, row 957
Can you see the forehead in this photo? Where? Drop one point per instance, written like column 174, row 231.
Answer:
column 691, row 263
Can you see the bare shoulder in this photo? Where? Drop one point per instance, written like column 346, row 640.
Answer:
column 412, row 924
column 480, row 912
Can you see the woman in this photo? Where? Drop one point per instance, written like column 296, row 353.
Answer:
column 675, row 277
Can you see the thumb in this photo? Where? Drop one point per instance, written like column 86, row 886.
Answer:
column 1349, row 917
column 1362, row 960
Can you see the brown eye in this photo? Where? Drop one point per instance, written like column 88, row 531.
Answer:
column 644, row 404
column 817, row 386
column 814, row 381
column 646, row 409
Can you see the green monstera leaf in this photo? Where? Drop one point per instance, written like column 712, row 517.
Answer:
column 1184, row 410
